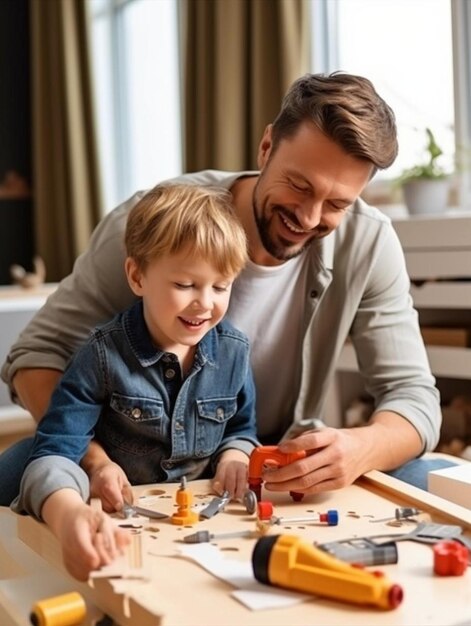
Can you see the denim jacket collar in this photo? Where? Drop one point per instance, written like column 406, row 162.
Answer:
column 142, row 344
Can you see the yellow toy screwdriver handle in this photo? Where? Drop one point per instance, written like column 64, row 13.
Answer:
column 68, row 609
column 287, row 561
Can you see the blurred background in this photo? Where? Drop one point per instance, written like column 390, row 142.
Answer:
column 101, row 98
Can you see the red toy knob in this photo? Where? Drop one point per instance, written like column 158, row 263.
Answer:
column 450, row 558
column 265, row 510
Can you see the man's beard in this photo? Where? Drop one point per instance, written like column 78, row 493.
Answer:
column 282, row 250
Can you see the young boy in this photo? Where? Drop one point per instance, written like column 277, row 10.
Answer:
column 165, row 387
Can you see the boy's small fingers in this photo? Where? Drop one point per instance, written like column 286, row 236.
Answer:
column 105, row 546
column 217, row 486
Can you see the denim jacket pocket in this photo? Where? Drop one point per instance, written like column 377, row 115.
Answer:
column 213, row 415
column 134, row 424
column 137, row 409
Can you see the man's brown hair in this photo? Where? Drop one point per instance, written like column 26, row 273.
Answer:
column 347, row 109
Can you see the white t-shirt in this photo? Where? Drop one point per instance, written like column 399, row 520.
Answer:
column 277, row 296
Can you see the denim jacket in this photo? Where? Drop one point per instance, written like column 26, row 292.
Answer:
column 129, row 395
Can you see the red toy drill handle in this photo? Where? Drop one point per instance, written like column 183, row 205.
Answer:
column 263, row 455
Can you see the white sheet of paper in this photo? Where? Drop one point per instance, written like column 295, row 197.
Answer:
column 239, row 574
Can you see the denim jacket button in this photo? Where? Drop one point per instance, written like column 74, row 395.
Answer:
column 169, row 374
column 220, row 412
column 136, row 413
column 178, row 426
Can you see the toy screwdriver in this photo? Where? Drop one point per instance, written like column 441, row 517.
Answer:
column 287, row 561
column 130, row 510
column 203, row 536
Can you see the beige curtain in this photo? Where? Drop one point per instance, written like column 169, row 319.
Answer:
column 240, row 58
column 66, row 182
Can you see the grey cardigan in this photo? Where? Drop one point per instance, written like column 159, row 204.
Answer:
column 361, row 287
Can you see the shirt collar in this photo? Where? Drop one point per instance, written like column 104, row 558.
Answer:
column 143, row 347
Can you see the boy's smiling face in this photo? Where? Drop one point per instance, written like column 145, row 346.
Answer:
column 183, row 298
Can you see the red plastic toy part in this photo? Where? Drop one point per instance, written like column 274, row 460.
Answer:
column 270, row 455
column 265, row 510
column 450, row 558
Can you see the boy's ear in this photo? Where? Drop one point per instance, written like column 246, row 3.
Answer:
column 134, row 275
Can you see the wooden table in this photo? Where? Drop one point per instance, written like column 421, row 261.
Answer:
column 181, row 593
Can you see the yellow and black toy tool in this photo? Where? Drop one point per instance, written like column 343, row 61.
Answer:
column 287, row 561
column 69, row 609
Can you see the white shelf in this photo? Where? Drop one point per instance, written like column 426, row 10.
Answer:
column 442, row 295
column 17, row 299
column 437, row 250
column 17, row 307
column 445, row 362
column 435, row 232
column 429, row 264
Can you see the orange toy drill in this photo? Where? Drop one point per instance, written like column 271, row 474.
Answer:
column 270, row 455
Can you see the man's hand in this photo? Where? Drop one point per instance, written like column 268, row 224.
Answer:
column 231, row 474
column 332, row 462
column 337, row 457
column 109, row 483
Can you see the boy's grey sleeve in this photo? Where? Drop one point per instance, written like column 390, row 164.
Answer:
column 43, row 477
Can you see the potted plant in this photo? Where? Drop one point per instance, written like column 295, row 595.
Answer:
column 425, row 187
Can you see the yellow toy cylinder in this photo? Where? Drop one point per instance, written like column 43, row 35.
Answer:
column 68, row 609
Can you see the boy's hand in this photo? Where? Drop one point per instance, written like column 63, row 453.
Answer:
column 231, row 474
column 109, row 483
column 89, row 540
column 88, row 537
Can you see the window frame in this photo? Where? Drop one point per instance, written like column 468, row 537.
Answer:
column 121, row 181
column 461, row 36
column 112, row 10
column 324, row 55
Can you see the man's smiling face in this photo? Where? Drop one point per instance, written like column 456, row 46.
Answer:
column 306, row 185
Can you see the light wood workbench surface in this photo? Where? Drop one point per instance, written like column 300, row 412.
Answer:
column 181, row 593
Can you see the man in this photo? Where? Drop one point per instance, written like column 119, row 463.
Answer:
column 323, row 266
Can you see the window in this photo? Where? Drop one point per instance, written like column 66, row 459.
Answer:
column 137, row 93
column 413, row 51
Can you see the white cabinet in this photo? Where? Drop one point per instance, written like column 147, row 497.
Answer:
column 438, row 256
column 17, row 307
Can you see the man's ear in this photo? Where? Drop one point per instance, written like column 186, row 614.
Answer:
column 264, row 147
column 134, row 275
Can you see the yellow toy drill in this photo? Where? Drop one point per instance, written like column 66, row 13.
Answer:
column 286, row 561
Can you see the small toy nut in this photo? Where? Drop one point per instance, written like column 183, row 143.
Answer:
column 450, row 558
column 264, row 510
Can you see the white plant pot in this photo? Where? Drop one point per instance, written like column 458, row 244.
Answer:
column 423, row 196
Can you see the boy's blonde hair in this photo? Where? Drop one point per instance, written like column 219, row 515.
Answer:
column 172, row 217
